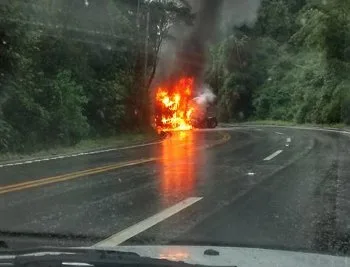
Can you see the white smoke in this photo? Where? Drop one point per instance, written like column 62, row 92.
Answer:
column 234, row 12
column 240, row 12
column 205, row 96
column 202, row 103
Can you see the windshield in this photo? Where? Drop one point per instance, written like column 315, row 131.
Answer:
column 175, row 122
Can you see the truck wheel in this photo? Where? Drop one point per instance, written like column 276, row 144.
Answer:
column 212, row 123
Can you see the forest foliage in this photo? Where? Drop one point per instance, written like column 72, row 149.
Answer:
column 72, row 69
column 292, row 65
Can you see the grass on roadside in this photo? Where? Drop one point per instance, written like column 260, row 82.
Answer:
column 84, row 145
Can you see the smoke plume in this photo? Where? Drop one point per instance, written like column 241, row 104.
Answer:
column 205, row 96
column 187, row 55
column 191, row 55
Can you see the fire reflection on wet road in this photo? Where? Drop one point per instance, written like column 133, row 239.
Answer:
column 179, row 158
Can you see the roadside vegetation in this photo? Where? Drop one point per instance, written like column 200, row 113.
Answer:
column 292, row 65
column 62, row 82
column 72, row 70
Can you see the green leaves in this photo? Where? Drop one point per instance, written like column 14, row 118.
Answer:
column 312, row 29
column 108, row 105
column 67, row 122
column 275, row 20
column 6, row 136
column 297, row 58
column 46, row 112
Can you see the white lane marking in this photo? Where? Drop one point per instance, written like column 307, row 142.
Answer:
column 279, row 133
column 289, row 140
column 331, row 130
column 76, row 155
column 135, row 229
column 275, row 154
column 76, row 264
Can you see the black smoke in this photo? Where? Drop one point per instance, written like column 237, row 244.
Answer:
column 186, row 53
column 192, row 52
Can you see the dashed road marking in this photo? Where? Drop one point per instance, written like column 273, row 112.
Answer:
column 275, row 154
column 289, row 140
column 279, row 133
column 142, row 226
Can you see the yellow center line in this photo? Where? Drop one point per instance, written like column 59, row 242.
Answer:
column 65, row 177
column 50, row 178
column 70, row 176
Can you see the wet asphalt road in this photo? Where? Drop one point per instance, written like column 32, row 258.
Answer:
column 259, row 187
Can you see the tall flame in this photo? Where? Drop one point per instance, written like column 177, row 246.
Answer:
column 172, row 106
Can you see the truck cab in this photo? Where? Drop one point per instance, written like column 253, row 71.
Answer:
column 206, row 118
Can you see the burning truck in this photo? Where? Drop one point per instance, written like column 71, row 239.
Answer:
column 179, row 107
column 204, row 110
column 182, row 101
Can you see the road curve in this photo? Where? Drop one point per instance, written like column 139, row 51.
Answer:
column 241, row 186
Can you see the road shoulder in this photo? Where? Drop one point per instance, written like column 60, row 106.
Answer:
column 86, row 147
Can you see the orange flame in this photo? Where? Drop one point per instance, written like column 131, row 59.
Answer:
column 172, row 110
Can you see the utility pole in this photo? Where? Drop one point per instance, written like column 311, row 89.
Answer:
column 138, row 15
column 146, row 48
column 145, row 94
